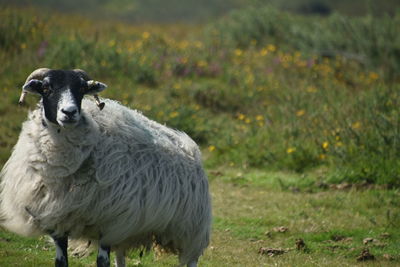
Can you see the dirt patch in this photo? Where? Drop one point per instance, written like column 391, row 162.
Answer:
column 365, row 255
column 4, row 239
column 300, row 244
column 272, row 251
column 280, row 229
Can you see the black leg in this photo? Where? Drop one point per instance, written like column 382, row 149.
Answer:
column 103, row 257
column 61, row 251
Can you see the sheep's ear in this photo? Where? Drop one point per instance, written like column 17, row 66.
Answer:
column 94, row 87
column 33, row 86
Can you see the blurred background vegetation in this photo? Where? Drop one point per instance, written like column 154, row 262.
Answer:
column 303, row 86
column 192, row 11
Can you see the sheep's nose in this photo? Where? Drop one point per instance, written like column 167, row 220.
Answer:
column 70, row 112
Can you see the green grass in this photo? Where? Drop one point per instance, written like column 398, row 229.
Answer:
column 246, row 212
column 332, row 223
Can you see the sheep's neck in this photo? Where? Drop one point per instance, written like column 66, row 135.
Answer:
column 61, row 151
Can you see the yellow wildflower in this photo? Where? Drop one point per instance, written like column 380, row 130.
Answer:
column 198, row 44
column 325, row 145
column 271, row 47
column 290, row 150
column 238, row 52
column 111, row 43
column 145, row 35
column 263, row 52
column 241, row 116
column 259, row 117
column 300, row 112
column 373, row 75
column 356, row 125
column 211, row 148
column 173, row 114
column 138, row 44
column 322, row 156
column 249, row 79
column 202, row 63
column 183, row 45
column 286, row 58
column 311, row 89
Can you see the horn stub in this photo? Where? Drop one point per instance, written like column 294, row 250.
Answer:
column 38, row 74
column 87, row 78
column 83, row 74
column 21, row 100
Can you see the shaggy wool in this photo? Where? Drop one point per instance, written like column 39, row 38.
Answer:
column 117, row 177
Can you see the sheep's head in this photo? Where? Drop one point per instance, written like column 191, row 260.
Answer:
column 62, row 92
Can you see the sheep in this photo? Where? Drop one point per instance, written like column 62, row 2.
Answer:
column 111, row 176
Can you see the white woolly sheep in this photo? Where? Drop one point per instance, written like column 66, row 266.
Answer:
column 113, row 176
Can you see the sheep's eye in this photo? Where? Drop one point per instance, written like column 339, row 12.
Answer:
column 46, row 88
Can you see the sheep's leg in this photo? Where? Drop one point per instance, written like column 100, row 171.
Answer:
column 103, row 256
column 119, row 258
column 61, row 251
column 192, row 264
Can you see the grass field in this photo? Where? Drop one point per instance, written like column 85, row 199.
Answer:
column 297, row 118
column 253, row 211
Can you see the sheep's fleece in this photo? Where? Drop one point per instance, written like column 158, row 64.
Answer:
column 117, row 175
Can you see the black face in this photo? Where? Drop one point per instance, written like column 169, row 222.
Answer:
column 62, row 93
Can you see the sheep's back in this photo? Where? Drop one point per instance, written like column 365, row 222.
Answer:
column 133, row 128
